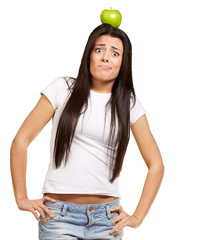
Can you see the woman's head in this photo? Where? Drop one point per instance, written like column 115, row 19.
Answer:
column 106, row 58
column 112, row 35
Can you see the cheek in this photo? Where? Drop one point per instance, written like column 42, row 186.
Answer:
column 117, row 66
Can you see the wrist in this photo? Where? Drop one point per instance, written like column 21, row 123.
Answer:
column 19, row 199
column 138, row 219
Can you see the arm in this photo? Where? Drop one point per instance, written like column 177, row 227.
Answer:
column 152, row 157
column 28, row 131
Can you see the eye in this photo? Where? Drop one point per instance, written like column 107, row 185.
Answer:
column 115, row 54
column 98, row 50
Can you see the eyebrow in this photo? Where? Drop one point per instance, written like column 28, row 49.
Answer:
column 102, row 44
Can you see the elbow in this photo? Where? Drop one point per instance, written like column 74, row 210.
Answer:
column 19, row 143
column 158, row 169
column 162, row 169
column 18, row 152
column 161, row 166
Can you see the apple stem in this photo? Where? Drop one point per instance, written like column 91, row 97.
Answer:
column 110, row 8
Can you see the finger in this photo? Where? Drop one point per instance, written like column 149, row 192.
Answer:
column 46, row 198
column 35, row 214
column 118, row 227
column 115, row 208
column 116, row 219
column 113, row 230
column 46, row 209
column 41, row 213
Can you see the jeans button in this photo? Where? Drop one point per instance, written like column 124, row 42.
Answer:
column 91, row 208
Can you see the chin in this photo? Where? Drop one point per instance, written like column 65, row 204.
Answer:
column 104, row 77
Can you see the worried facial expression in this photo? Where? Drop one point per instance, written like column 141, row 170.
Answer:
column 106, row 58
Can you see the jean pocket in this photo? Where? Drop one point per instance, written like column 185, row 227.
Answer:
column 54, row 211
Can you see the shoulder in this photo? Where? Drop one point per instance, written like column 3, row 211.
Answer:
column 136, row 109
column 58, row 90
column 64, row 81
column 62, row 85
column 134, row 101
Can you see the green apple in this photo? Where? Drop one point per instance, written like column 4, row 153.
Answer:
column 112, row 17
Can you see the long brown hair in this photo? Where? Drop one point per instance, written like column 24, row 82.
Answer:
column 119, row 101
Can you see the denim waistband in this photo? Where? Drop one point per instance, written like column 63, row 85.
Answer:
column 83, row 208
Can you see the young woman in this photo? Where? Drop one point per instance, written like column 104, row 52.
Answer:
column 91, row 120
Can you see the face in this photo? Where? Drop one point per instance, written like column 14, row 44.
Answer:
column 106, row 58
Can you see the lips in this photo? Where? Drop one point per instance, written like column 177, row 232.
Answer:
column 104, row 66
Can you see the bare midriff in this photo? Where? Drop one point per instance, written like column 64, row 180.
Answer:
column 82, row 198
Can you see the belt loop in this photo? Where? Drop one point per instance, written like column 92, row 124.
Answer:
column 64, row 209
column 108, row 211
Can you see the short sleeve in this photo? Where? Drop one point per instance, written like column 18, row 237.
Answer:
column 56, row 92
column 136, row 111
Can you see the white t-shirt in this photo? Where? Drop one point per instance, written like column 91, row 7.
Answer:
column 87, row 168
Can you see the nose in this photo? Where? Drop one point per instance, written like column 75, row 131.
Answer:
column 105, row 57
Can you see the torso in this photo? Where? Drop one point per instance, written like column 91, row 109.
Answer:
column 82, row 198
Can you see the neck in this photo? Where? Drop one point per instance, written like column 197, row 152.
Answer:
column 102, row 86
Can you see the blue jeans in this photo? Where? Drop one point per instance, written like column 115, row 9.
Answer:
column 79, row 221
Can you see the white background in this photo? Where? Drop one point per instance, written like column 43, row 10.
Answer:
column 44, row 39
